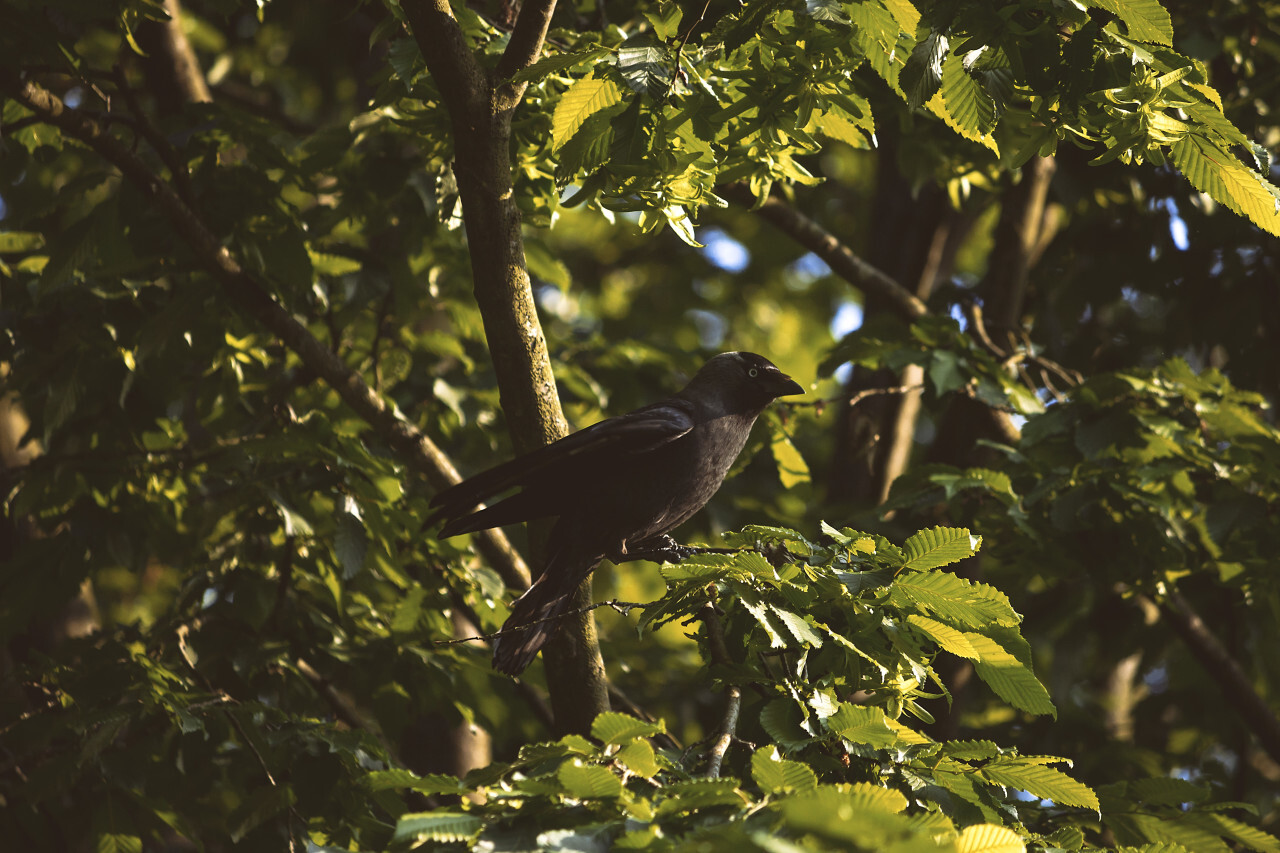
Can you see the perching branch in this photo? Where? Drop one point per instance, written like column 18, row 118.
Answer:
column 250, row 297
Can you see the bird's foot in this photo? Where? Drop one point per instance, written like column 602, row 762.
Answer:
column 664, row 549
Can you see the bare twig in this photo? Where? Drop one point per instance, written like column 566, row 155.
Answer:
column 729, row 725
column 836, row 254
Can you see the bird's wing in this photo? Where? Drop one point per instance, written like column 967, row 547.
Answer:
column 635, row 432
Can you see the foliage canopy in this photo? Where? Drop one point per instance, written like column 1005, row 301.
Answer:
column 270, row 273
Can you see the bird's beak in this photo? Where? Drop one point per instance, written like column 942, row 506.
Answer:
column 782, row 385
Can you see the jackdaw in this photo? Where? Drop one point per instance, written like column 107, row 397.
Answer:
column 615, row 487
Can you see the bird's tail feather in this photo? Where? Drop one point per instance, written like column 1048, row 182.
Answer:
column 533, row 620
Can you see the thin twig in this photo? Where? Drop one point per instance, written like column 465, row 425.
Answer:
column 719, row 653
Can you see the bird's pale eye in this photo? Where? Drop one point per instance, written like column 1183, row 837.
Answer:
column 753, row 372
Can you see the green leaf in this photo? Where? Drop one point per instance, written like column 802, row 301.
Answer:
column 612, row 727
column 944, row 635
column 1012, row 681
column 1146, row 20
column 782, row 720
column 799, row 628
column 777, row 775
column 862, row 724
column 639, row 757
column 646, row 68
column 952, row 599
column 350, row 542
column 922, row 76
column 686, row 797
column 970, row 750
column 989, row 838
column 583, row 100
column 432, row 783
column 21, row 241
column 558, row 63
column 1044, row 782
column 764, row 619
column 792, row 469
column 589, row 781
column 1225, row 179
column 441, row 826
column 940, row 546
column 1242, row 833
column 112, row 842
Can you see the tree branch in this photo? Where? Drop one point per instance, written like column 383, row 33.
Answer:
column 1223, row 668
column 480, row 110
column 728, row 727
column 825, row 245
column 251, row 298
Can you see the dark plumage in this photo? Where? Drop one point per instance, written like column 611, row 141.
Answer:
column 615, row 487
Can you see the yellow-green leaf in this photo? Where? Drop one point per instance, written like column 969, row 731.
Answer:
column 583, row 100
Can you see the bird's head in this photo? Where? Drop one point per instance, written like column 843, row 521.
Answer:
column 742, row 381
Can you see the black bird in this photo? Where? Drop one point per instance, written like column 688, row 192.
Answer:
column 615, row 487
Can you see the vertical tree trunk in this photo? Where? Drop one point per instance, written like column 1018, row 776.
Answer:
column 480, row 106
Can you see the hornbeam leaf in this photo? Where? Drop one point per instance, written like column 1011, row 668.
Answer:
column 1225, row 179
column 952, row 599
column 1146, row 20
column 1044, row 782
column 989, row 838
column 1011, row 680
column 582, row 100
column 939, row 546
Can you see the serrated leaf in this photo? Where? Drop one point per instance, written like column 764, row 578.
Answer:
column 964, row 105
column 922, row 76
column 646, row 68
column 792, row 469
column 1242, row 833
column 639, row 757
column 1226, row 180
column 1044, row 782
column 764, row 619
column 1146, row 20
column 906, row 14
column 777, row 775
column 558, row 63
column 115, row 842
column 685, row 797
column 445, row 827
column 862, row 724
column 431, row 783
column 970, row 750
column 798, row 627
column 953, row 599
column 1167, row 791
column 582, row 100
column 589, row 781
column 612, row 727
column 781, row 719
column 944, row 635
column 989, row 838
column 1009, row 678
column 939, row 546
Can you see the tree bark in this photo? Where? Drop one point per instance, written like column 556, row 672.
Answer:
column 480, row 106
